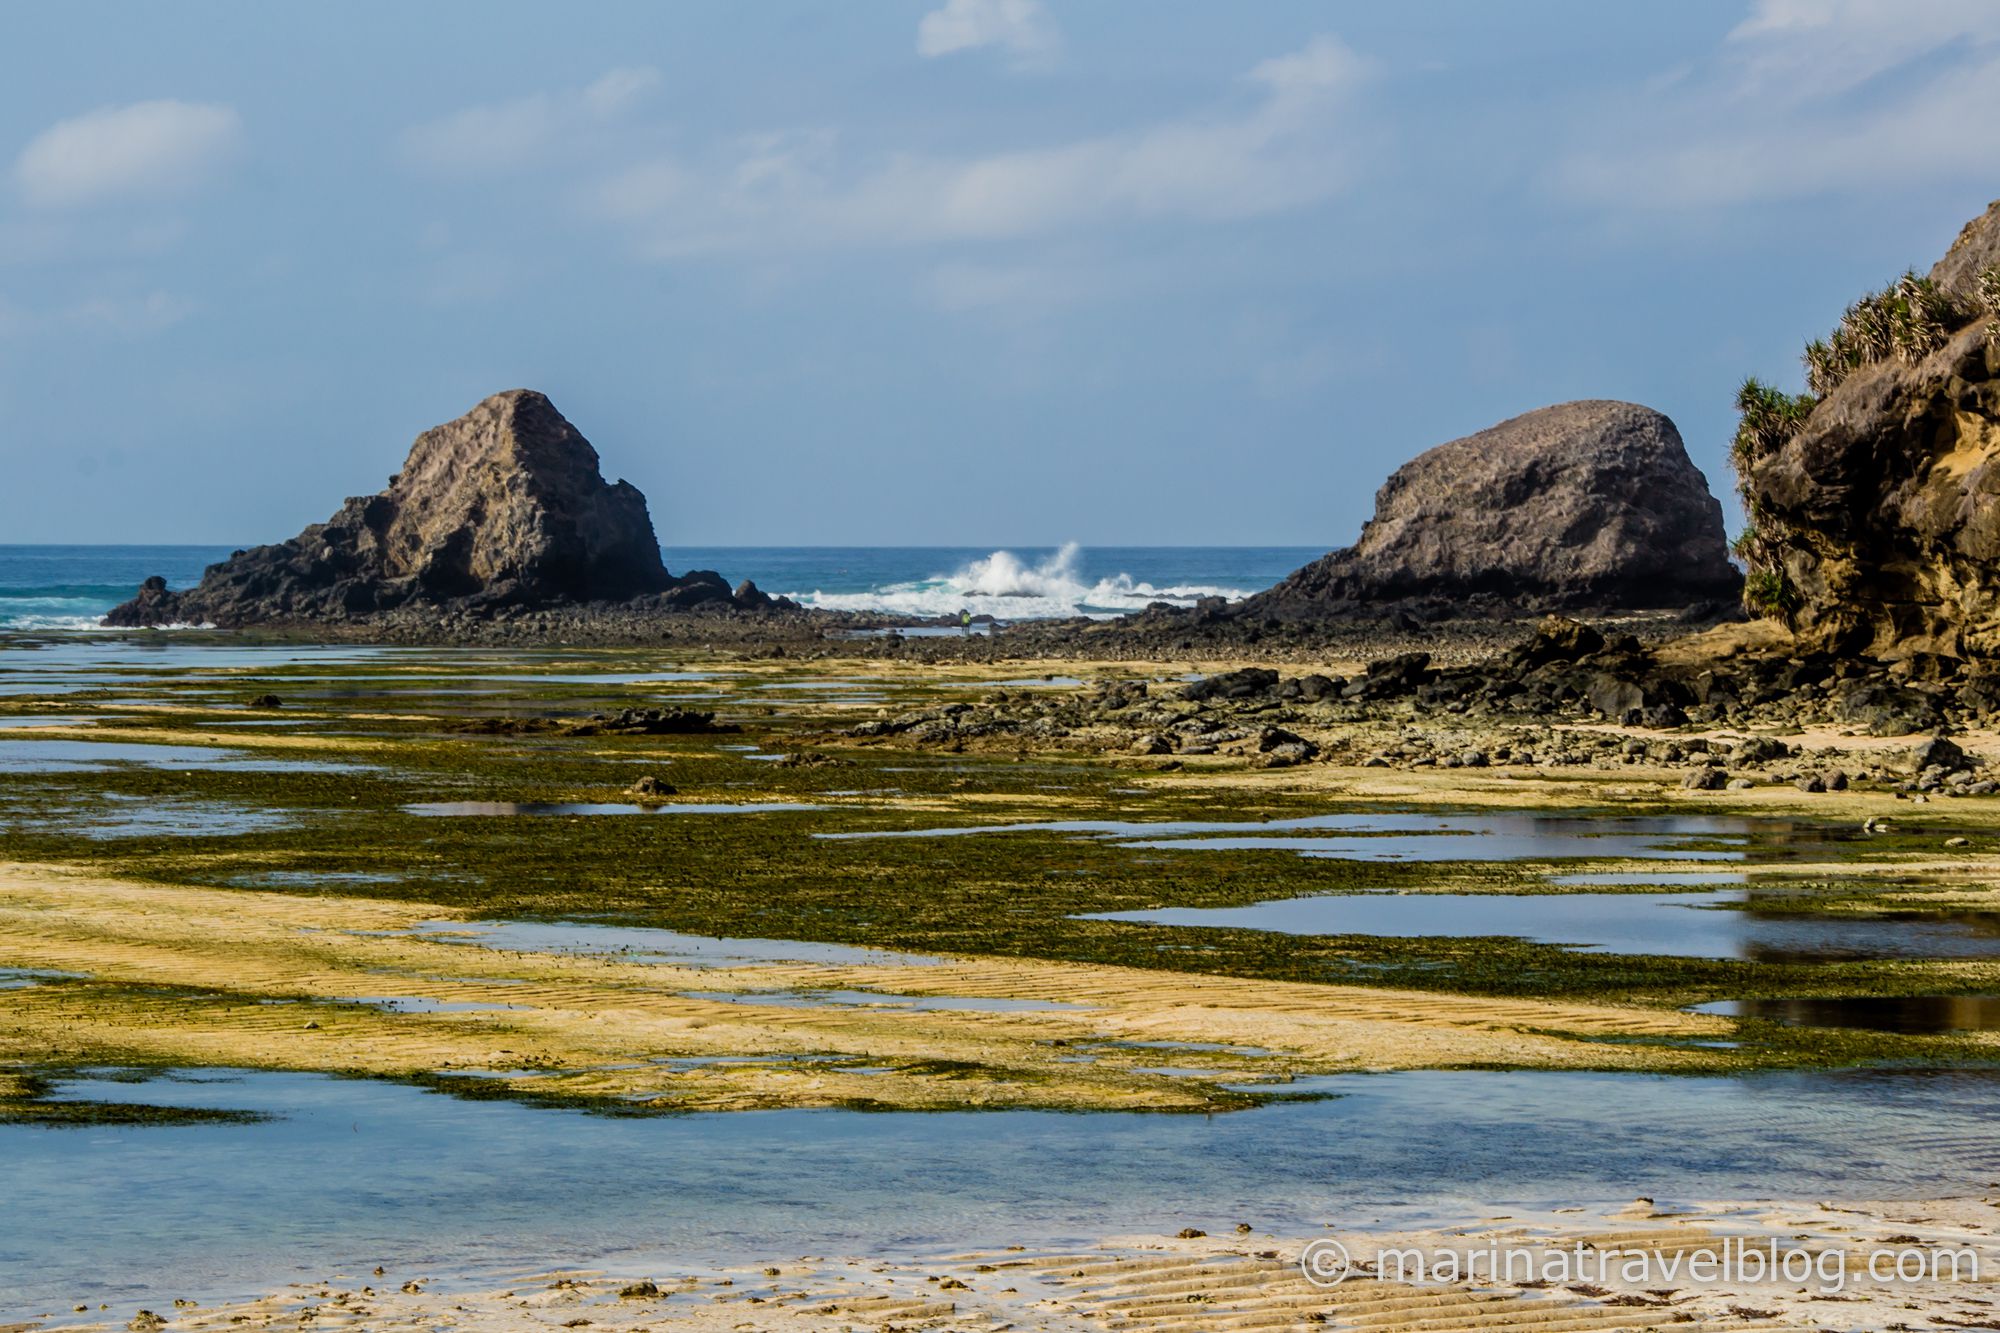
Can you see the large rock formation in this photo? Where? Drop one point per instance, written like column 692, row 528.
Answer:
column 1585, row 504
column 503, row 507
column 1876, row 520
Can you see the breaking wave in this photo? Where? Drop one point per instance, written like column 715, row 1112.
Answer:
column 45, row 612
column 1005, row 586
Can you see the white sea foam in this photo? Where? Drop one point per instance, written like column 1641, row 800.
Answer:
column 53, row 623
column 1009, row 588
column 48, row 613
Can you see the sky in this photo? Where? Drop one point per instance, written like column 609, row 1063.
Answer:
column 940, row 272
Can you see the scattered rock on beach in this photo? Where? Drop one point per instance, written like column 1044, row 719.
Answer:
column 650, row 788
column 1939, row 753
column 648, row 722
column 808, row 759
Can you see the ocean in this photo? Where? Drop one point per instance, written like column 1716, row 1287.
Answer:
column 71, row 587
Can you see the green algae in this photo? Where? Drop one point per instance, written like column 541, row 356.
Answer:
column 27, row 1097
column 398, row 742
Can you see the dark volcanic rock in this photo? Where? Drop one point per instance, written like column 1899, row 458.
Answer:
column 1880, row 513
column 503, row 507
column 1232, row 684
column 1557, row 639
column 1581, row 504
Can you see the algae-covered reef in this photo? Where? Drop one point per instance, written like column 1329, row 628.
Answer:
column 291, row 867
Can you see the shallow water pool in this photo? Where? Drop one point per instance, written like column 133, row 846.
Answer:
column 20, row 978
column 1682, row 925
column 811, row 998
column 646, row 944
column 119, row 816
column 68, row 756
column 477, row 808
column 1912, row 1015
column 355, row 1173
column 1412, row 837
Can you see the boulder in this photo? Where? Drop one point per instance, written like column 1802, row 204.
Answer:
column 1277, row 738
column 1760, row 750
column 1940, row 753
column 698, row 587
column 646, row 722
column 1556, row 639
column 503, row 507
column 1614, row 696
column 1314, row 687
column 1584, row 504
column 1390, row 677
column 1242, row 684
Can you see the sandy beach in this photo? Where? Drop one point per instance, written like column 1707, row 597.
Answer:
column 1245, row 1280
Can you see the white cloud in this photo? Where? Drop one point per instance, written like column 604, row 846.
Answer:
column 960, row 287
column 1807, row 97
column 1285, row 148
column 456, row 281
column 129, row 317
column 507, row 136
column 1020, row 27
column 119, row 316
column 1816, row 48
column 143, row 149
column 618, row 91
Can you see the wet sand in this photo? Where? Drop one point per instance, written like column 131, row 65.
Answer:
column 1191, row 1283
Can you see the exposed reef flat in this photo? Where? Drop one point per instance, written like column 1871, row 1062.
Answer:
column 822, row 805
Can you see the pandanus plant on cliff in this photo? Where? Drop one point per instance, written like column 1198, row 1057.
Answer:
column 1768, row 418
column 1908, row 320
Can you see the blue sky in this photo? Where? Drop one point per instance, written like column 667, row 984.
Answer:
column 950, row 271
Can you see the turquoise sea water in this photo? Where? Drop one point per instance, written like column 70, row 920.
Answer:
column 71, row 587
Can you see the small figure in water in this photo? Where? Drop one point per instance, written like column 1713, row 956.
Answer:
column 965, row 622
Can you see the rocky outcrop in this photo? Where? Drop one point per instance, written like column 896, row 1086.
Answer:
column 1584, row 504
column 503, row 508
column 1705, row 705
column 1974, row 252
column 1875, row 508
